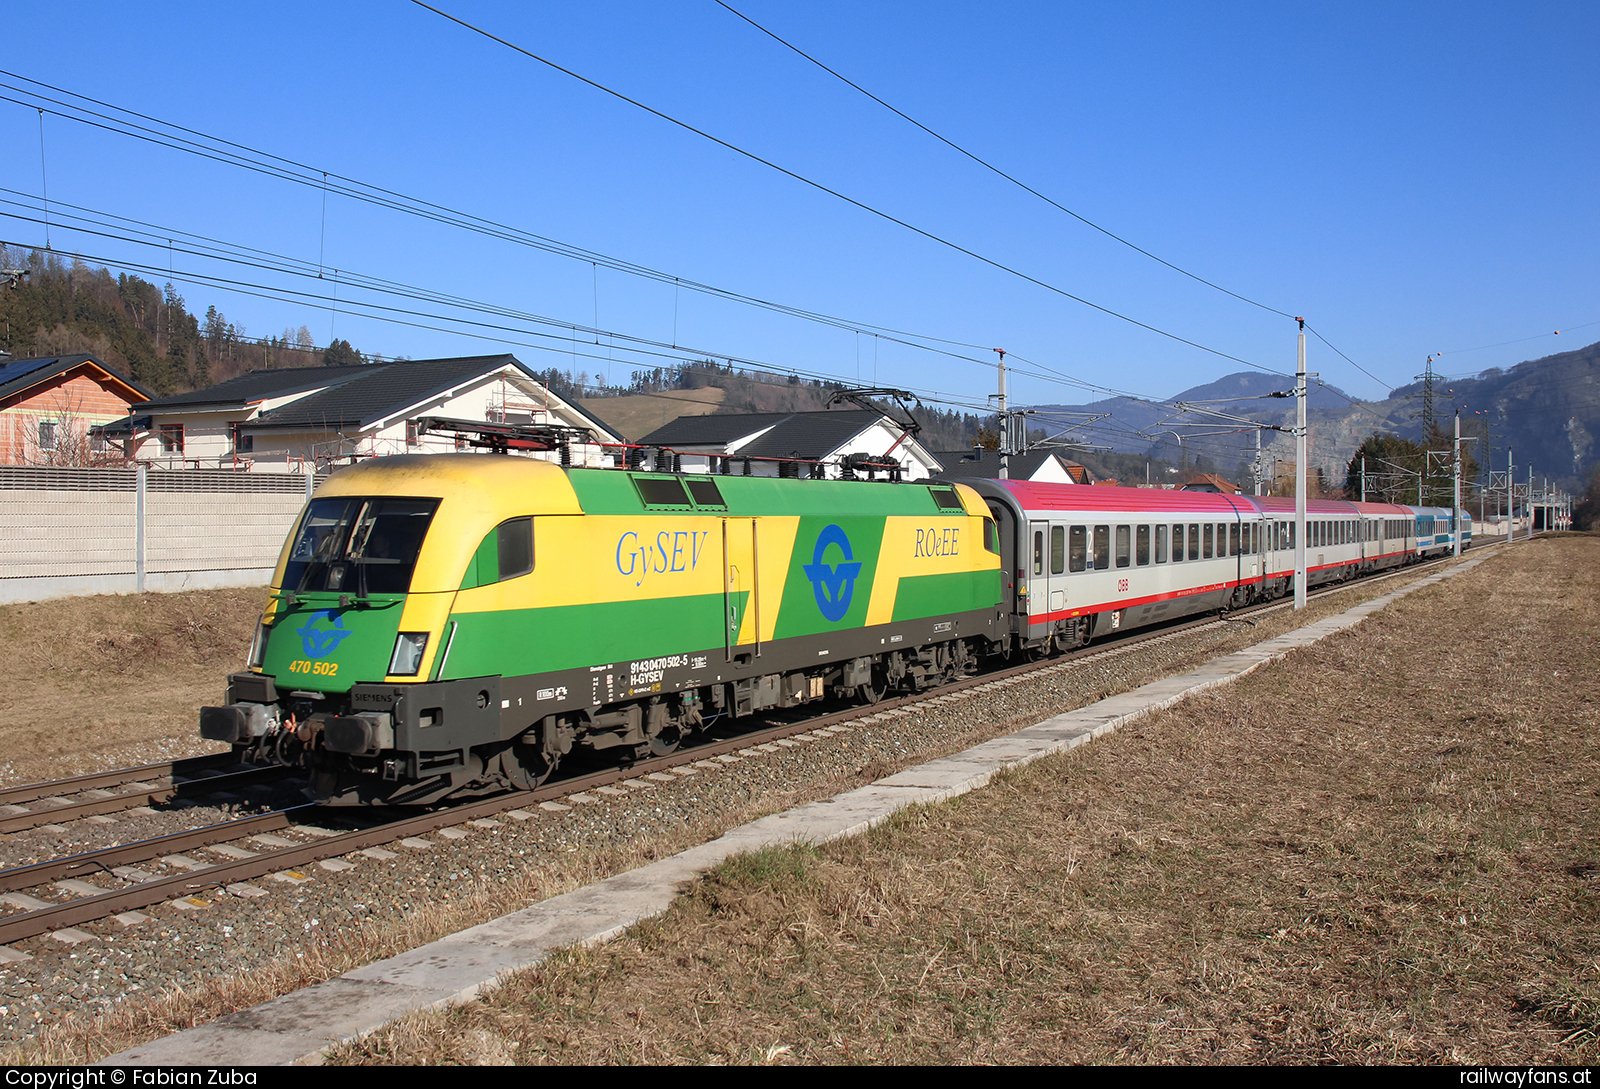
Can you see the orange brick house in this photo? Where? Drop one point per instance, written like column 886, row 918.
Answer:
column 48, row 405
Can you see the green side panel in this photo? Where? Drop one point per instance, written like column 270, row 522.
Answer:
column 819, row 580
column 316, row 646
column 940, row 595
column 607, row 491
column 484, row 567
column 519, row 642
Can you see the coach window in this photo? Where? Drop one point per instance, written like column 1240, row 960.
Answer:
column 1141, row 545
column 1206, row 553
column 1078, row 549
column 1058, row 549
column 1124, row 546
column 1038, row 552
column 1194, row 540
column 1161, row 544
column 1233, row 540
column 1102, row 548
column 1177, row 542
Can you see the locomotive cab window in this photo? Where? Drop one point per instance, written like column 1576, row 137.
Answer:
column 991, row 537
column 358, row 546
column 946, row 498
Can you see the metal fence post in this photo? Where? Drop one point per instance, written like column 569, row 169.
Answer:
column 138, row 530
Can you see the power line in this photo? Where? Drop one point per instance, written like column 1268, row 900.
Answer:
column 1519, row 340
column 315, row 178
column 158, row 236
column 995, row 169
column 752, row 156
column 482, row 330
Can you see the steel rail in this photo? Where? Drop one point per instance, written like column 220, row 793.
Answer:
column 190, row 766
column 142, row 894
column 69, row 810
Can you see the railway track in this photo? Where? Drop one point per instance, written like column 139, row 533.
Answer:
column 270, row 851
column 38, row 804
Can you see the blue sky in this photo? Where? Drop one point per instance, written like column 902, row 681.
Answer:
column 1411, row 178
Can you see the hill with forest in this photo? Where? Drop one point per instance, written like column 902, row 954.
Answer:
column 1547, row 411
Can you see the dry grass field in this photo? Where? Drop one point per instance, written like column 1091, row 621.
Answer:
column 90, row 683
column 1383, row 850
column 637, row 415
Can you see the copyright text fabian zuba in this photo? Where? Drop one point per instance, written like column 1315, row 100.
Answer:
column 83, row 1078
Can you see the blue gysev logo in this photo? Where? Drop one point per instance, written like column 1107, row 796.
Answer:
column 319, row 642
column 833, row 585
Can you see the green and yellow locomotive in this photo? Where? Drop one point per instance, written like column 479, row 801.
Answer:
column 452, row 624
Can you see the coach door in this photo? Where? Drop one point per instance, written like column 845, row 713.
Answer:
column 741, row 604
column 1046, row 591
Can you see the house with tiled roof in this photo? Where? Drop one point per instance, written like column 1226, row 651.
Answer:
column 1038, row 466
column 1211, row 482
column 793, row 443
column 318, row 417
column 49, row 406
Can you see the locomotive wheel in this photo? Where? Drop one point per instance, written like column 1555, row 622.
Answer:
column 663, row 744
column 526, row 766
column 873, row 691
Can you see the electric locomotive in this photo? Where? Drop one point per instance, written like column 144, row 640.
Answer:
column 445, row 625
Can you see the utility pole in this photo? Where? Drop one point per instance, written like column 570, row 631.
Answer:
column 1455, row 512
column 1005, row 421
column 1300, row 471
column 1511, row 500
column 1363, row 478
column 1258, row 461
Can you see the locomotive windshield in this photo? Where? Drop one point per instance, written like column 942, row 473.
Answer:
column 358, row 546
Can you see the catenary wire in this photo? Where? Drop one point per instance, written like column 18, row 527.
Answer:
column 995, row 169
column 841, row 196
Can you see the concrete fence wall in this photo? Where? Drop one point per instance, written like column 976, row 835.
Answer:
column 116, row 531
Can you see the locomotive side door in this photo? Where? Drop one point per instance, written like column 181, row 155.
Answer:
column 741, row 607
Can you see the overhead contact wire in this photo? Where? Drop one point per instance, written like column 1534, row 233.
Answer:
column 991, row 167
column 819, row 186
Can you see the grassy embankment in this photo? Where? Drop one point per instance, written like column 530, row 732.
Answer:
column 1380, row 850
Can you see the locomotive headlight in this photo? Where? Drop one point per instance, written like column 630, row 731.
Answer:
column 258, row 646
column 408, row 648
